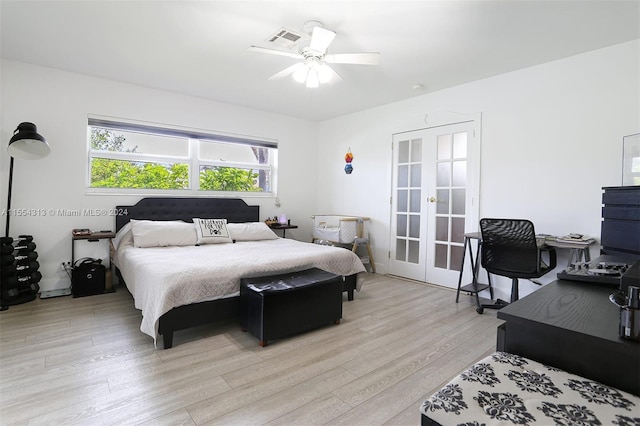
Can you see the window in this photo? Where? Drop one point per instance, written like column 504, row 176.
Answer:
column 140, row 158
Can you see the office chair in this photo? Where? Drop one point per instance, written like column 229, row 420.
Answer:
column 509, row 249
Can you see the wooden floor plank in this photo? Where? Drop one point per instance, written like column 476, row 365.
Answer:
column 84, row 361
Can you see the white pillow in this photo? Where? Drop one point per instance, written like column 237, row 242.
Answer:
column 162, row 233
column 123, row 236
column 211, row 231
column 251, row 231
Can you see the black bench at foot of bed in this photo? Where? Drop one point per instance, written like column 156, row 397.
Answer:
column 202, row 313
column 282, row 305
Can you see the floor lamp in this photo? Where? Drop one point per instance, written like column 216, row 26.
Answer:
column 26, row 144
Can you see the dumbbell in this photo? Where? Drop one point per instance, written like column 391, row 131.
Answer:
column 27, row 266
column 32, row 277
column 25, row 245
column 23, row 255
column 8, row 270
column 10, row 293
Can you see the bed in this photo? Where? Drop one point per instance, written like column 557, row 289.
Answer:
column 186, row 285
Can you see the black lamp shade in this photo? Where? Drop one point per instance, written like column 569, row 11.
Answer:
column 27, row 143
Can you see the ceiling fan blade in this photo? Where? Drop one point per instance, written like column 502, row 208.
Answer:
column 287, row 71
column 321, row 38
column 368, row 58
column 274, row 52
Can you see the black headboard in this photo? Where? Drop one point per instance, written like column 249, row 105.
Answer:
column 235, row 210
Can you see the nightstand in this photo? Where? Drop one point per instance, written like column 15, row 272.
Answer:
column 93, row 237
column 284, row 228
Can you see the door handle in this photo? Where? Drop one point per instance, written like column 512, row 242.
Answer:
column 433, row 199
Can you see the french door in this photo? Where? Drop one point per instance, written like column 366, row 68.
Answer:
column 434, row 201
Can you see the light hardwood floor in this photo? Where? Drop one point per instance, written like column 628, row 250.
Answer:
column 84, row 361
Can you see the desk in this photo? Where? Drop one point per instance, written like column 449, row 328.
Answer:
column 578, row 250
column 574, row 327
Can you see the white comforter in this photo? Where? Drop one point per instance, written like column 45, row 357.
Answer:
column 161, row 278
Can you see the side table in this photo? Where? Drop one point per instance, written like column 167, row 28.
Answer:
column 284, row 228
column 94, row 237
column 474, row 287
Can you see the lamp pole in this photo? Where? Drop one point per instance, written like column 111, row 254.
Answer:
column 6, row 232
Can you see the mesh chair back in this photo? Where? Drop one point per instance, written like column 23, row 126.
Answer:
column 509, row 247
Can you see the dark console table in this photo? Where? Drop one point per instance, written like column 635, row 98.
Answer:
column 572, row 326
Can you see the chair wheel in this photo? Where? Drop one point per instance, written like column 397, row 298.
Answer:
column 479, row 309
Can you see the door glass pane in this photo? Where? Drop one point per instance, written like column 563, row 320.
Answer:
column 457, row 229
column 416, row 174
column 414, row 252
column 443, row 178
column 442, row 206
column 456, row 257
column 459, row 173
column 451, row 182
column 403, row 176
column 401, row 225
column 441, row 256
column 460, row 145
column 414, row 226
column 401, row 250
column 415, row 200
column 403, row 200
column 442, row 228
column 403, row 152
column 416, row 150
column 458, row 201
column 444, row 147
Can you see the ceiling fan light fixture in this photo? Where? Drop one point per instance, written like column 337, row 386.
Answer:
column 300, row 73
column 314, row 70
column 312, row 78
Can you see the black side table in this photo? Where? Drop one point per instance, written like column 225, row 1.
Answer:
column 93, row 237
column 284, row 228
column 474, row 287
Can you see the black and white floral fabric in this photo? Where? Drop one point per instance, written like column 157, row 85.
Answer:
column 508, row 389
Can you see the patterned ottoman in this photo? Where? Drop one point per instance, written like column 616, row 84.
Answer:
column 509, row 389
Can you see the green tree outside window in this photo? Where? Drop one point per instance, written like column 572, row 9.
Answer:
column 112, row 173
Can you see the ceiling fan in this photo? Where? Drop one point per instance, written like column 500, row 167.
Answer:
column 314, row 68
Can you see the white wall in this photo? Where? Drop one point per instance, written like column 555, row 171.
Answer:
column 551, row 138
column 59, row 102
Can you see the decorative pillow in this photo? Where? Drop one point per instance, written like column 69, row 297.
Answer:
column 211, row 231
column 251, row 231
column 162, row 233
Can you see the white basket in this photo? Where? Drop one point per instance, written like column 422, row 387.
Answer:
column 339, row 229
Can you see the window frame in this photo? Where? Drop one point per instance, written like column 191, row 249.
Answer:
column 194, row 138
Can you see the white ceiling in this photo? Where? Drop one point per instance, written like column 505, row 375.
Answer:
column 199, row 48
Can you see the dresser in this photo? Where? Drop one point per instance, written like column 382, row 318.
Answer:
column 620, row 230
